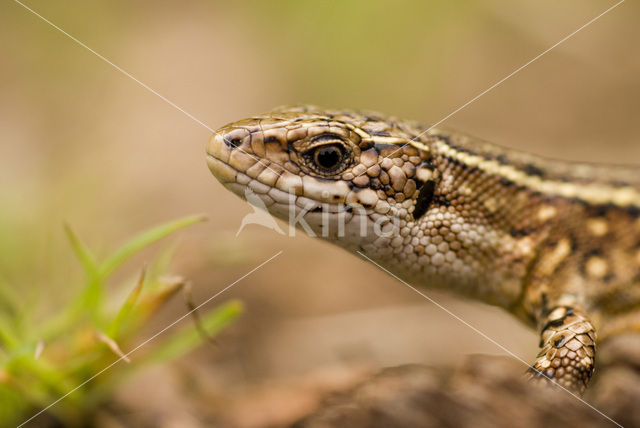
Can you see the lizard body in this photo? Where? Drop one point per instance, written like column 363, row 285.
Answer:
column 555, row 243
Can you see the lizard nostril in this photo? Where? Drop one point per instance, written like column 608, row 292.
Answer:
column 232, row 143
column 234, row 138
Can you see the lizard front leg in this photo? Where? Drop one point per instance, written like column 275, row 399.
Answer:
column 568, row 346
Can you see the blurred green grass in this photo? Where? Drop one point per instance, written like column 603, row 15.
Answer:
column 44, row 356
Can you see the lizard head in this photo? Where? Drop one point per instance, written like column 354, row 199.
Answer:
column 353, row 178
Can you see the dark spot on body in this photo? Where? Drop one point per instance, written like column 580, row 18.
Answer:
column 519, row 233
column 442, row 201
column 427, row 165
column 560, row 342
column 365, row 145
column 384, row 146
column 375, row 184
column 506, row 182
column 573, row 242
column 457, row 148
column 592, row 252
column 597, row 210
column 544, row 300
column 554, row 323
column 271, row 139
column 502, row 159
column 604, row 209
column 633, row 211
column 450, row 161
column 531, row 169
column 424, row 199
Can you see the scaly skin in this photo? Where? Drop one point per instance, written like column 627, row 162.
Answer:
column 556, row 244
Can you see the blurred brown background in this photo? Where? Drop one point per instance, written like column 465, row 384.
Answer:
column 81, row 142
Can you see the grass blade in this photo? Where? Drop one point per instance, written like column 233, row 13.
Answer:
column 93, row 293
column 189, row 337
column 148, row 306
column 127, row 306
column 143, row 240
column 81, row 251
column 113, row 345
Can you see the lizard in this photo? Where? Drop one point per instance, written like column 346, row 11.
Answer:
column 555, row 243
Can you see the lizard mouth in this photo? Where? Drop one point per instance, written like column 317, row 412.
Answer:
column 240, row 183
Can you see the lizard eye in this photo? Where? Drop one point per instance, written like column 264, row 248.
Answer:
column 328, row 158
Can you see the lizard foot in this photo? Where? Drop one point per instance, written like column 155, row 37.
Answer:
column 568, row 346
